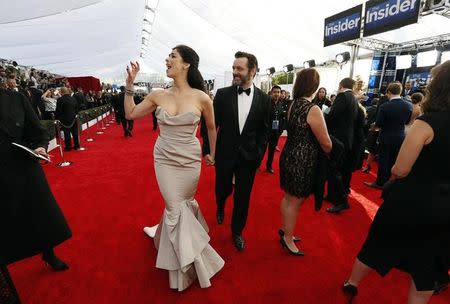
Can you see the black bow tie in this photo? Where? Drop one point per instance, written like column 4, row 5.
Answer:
column 247, row 91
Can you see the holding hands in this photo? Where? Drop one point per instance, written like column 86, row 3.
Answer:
column 209, row 160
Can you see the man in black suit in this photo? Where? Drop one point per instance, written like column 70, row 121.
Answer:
column 127, row 124
column 242, row 119
column 277, row 124
column 407, row 91
column 391, row 119
column 36, row 101
column 66, row 110
column 341, row 124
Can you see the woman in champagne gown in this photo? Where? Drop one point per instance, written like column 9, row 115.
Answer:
column 182, row 237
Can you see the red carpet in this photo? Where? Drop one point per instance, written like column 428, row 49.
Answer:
column 110, row 193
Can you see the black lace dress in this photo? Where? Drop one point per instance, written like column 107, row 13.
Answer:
column 298, row 160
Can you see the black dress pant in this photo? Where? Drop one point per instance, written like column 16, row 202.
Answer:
column 244, row 175
column 338, row 180
column 274, row 136
column 67, row 140
column 386, row 159
column 127, row 125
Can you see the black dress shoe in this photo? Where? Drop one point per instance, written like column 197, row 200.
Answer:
column 373, row 185
column 294, row 238
column 338, row 208
column 239, row 242
column 350, row 291
column 296, row 253
column 220, row 214
column 67, row 149
column 270, row 170
column 54, row 262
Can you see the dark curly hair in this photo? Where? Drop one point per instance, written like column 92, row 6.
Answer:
column 437, row 97
column 194, row 77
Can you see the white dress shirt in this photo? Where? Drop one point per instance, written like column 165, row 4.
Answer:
column 244, row 104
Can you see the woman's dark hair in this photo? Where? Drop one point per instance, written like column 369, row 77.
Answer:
column 306, row 83
column 437, row 97
column 194, row 77
column 416, row 98
column 325, row 90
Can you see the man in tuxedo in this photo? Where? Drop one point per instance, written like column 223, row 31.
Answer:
column 66, row 110
column 391, row 119
column 242, row 119
column 407, row 91
column 341, row 120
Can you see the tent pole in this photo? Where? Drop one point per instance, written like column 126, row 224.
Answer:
column 355, row 51
column 382, row 71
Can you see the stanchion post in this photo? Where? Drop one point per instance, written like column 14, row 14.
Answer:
column 98, row 128
column 89, row 138
column 63, row 162
column 79, row 127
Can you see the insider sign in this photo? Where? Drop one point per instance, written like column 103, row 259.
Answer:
column 343, row 26
column 386, row 15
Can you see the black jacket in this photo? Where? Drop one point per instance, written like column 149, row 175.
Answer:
column 341, row 118
column 231, row 146
column 66, row 109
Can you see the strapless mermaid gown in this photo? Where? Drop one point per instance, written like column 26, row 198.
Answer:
column 182, row 238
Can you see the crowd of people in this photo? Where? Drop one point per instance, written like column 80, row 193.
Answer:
column 326, row 142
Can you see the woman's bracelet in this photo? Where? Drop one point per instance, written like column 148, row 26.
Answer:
column 129, row 92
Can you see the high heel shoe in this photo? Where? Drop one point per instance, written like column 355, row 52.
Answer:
column 350, row 291
column 294, row 238
column 55, row 263
column 296, row 253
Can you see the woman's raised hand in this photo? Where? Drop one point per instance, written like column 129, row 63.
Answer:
column 132, row 72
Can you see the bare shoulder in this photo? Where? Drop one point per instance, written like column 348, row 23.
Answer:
column 202, row 97
column 315, row 111
column 154, row 96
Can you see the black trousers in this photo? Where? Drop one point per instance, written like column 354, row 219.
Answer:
column 274, row 136
column 339, row 176
column 8, row 293
column 127, row 125
column 386, row 159
column 67, row 140
column 244, row 175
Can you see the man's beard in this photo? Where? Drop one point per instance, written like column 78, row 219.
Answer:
column 241, row 79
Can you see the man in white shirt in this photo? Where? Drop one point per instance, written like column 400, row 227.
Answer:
column 242, row 118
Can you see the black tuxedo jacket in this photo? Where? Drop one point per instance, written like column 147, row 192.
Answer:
column 66, row 109
column 232, row 147
column 341, row 118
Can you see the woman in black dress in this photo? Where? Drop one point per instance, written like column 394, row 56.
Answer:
column 411, row 230
column 30, row 219
column 307, row 133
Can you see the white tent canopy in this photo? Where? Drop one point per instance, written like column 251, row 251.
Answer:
column 99, row 37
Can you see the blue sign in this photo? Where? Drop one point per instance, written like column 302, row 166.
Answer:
column 343, row 26
column 419, row 77
column 385, row 15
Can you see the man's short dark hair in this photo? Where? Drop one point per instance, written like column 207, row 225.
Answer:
column 252, row 61
column 395, row 88
column 275, row 87
column 347, row 83
column 122, row 89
